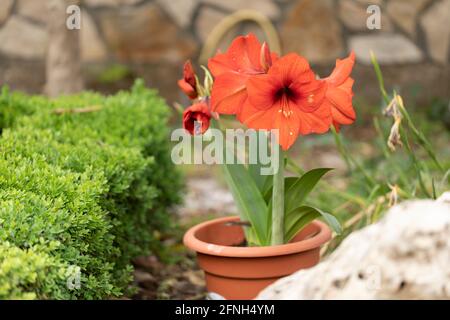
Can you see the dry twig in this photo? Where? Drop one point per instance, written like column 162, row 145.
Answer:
column 77, row 110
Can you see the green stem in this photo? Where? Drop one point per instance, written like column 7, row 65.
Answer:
column 278, row 202
column 350, row 160
column 341, row 149
column 415, row 161
column 386, row 153
column 380, row 79
column 421, row 139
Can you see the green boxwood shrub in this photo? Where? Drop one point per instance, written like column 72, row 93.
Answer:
column 90, row 190
column 16, row 104
column 29, row 274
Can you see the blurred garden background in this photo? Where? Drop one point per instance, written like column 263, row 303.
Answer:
column 108, row 152
column 124, row 39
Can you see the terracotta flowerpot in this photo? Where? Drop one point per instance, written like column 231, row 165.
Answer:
column 242, row 272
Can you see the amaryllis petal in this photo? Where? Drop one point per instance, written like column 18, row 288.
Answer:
column 318, row 121
column 342, row 70
column 243, row 56
column 256, row 118
column 228, row 93
column 342, row 101
column 311, row 94
column 289, row 99
column 347, row 86
column 262, row 91
column 232, row 69
column 288, row 127
column 339, row 117
column 338, row 96
column 292, row 67
column 298, row 122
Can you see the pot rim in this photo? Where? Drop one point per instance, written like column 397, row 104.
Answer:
column 191, row 241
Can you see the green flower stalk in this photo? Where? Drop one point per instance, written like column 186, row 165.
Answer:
column 278, row 202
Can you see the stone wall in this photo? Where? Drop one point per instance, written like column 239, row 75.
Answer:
column 153, row 38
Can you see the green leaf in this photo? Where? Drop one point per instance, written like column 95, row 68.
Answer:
column 434, row 189
column 249, row 199
column 267, row 190
column 254, row 170
column 374, row 192
column 301, row 216
column 255, row 173
column 298, row 191
column 250, row 237
column 380, row 79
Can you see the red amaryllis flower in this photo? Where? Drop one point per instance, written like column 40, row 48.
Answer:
column 338, row 96
column 196, row 118
column 188, row 83
column 244, row 58
column 287, row 98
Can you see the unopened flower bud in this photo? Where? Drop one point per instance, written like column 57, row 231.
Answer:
column 265, row 57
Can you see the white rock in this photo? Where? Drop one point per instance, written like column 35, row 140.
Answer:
column 445, row 198
column 369, row 2
column 354, row 16
column 110, row 3
column 214, row 296
column 388, row 48
column 92, row 46
column 5, row 9
column 404, row 13
column 312, row 29
column 266, row 7
column 22, row 39
column 207, row 19
column 404, row 256
column 180, row 10
column 436, row 25
column 35, row 10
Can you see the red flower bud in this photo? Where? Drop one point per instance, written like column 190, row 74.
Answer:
column 265, row 57
column 188, row 84
column 196, row 118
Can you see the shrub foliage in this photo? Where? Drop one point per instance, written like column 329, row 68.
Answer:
column 84, row 190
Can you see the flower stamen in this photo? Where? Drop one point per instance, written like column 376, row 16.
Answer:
column 285, row 104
